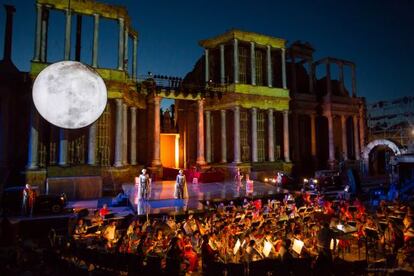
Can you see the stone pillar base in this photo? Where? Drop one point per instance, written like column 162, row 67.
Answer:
column 156, row 172
column 333, row 164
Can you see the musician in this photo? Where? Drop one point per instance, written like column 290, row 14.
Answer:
column 252, row 254
column 109, row 234
column 104, row 211
column 81, row 229
column 180, row 190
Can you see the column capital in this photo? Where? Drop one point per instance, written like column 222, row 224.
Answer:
column 236, row 108
column 207, row 112
column 201, row 102
column 253, row 110
column 133, row 108
column 118, row 101
column 155, row 99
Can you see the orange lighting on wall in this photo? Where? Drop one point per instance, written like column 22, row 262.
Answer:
column 170, row 154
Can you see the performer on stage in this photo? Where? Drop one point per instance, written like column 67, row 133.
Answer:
column 144, row 190
column 28, row 200
column 238, row 177
column 180, row 190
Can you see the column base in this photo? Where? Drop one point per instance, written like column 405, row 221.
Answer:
column 134, row 163
column 32, row 167
column 156, row 163
column 333, row 164
column 118, row 164
column 201, row 162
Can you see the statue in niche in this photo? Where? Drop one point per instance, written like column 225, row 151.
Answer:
column 167, row 121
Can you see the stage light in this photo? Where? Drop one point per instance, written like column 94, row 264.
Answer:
column 305, row 180
column 266, row 179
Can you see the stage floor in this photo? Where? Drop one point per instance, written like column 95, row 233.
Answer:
column 162, row 196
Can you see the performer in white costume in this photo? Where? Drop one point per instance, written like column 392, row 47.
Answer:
column 144, row 189
column 181, row 186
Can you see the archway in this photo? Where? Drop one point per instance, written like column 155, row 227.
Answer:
column 376, row 156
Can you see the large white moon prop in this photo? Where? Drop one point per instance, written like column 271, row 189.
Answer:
column 69, row 94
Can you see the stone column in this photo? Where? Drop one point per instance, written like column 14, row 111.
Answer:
column 310, row 64
column 269, row 66
column 222, row 65
column 356, row 137
column 283, row 53
column 236, row 135
column 361, row 129
column 92, row 144
column 353, row 81
column 286, row 135
column 293, row 84
column 33, row 156
column 133, row 152
column 344, row 138
column 156, row 155
column 271, row 140
column 328, row 79
column 124, row 134
column 236, row 60
column 126, row 38
column 63, row 147
column 254, row 134
column 208, row 136
column 134, row 59
column 223, row 136
column 200, row 134
column 95, row 48
column 206, row 66
column 68, row 33
column 38, row 32
column 121, row 44
column 341, row 78
column 313, row 135
column 43, row 44
column 253, row 63
column 331, row 144
column 118, row 133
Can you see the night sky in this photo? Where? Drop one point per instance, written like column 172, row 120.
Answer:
column 377, row 35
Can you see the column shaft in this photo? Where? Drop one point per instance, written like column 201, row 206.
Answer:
column 236, row 60
column 283, row 53
column 331, row 144
column 33, row 157
column 361, row 129
column 271, row 140
column 126, row 39
column 68, row 28
column 200, row 134
column 253, row 63
column 353, row 82
column 223, row 136
column 206, row 66
column 237, row 158
column 222, row 65
column 95, row 41
column 328, row 80
column 156, row 155
column 133, row 153
column 124, row 134
column 313, row 135
column 356, row 137
column 310, row 75
column 208, row 136
column 341, row 78
column 121, row 44
column 38, row 32
column 254, row 135
column 92, row 144
column 118, row 133
column 269, row 66
column 286, row 135
column 43, row 45
column 344, row 138
column 63, row 147
column 134, row 60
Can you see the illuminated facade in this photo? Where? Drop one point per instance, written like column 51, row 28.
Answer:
column 248, row 103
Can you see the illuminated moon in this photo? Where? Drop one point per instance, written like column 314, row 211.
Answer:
column 69, row 94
